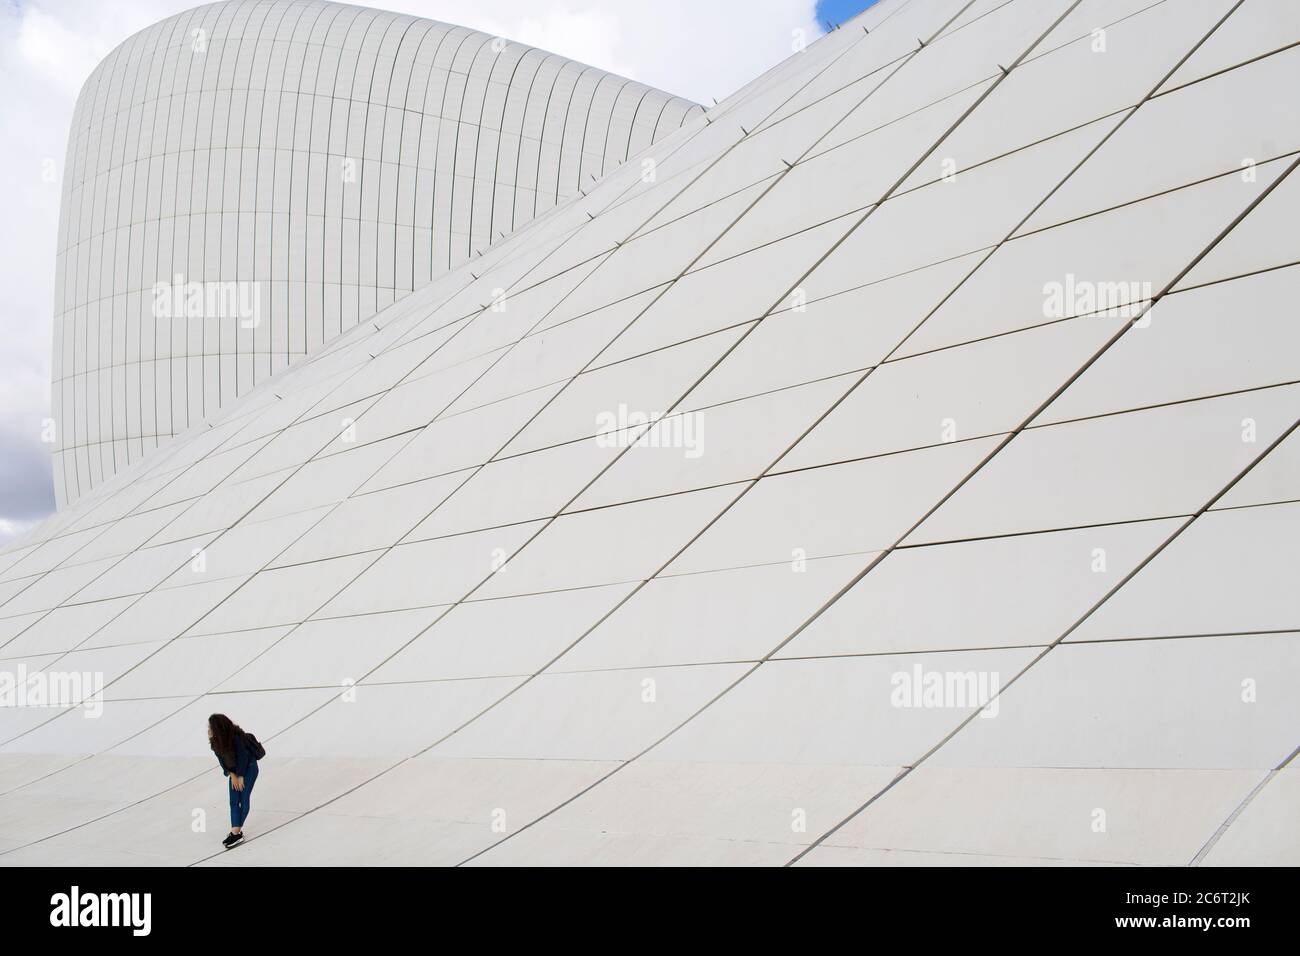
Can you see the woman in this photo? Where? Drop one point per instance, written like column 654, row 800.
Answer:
column 227, row 740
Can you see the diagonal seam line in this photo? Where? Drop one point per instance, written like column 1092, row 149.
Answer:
column 1239, row 810
column 1056, row 643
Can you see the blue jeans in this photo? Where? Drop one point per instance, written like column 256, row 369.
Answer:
column 239, row 799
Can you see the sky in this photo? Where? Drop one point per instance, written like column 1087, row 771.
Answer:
column 700, row 50
column 836, row 12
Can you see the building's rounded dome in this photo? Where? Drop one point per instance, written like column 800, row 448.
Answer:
column 306, row 161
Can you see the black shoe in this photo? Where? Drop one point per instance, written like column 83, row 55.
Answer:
column 233, row 840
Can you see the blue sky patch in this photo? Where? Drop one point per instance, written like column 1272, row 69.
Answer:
column 837, row 11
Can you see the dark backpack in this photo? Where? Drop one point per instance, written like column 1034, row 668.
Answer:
column 255, row 748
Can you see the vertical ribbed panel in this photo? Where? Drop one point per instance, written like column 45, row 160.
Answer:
column 325, row 159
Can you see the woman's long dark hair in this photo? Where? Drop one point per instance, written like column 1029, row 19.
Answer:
column 223, row 737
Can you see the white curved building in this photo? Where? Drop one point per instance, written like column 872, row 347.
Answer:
column 252, row 177
column 898, row 464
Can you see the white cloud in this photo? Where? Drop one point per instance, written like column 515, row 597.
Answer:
column 700, row 50
column 55, row 53
column 10, row 530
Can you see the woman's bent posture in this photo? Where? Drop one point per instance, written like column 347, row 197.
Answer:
column 229, row 743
